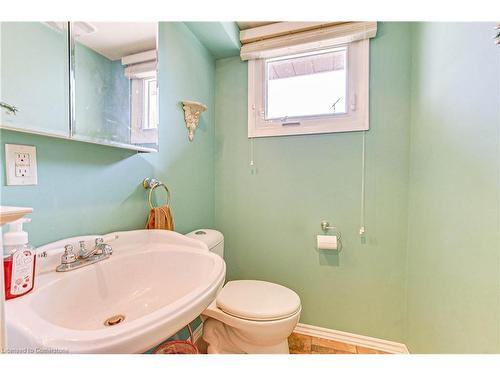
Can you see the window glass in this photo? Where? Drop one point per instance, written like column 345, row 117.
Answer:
column 307, row 85
column 150, row 104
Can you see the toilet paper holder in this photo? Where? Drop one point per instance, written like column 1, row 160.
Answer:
column 325, row 227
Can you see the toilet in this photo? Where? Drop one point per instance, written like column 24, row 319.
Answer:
column 248, row 316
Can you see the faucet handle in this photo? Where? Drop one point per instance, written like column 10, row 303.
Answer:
column 83, row 249
column 107, row 249
column 68, row 256
column 101, row 247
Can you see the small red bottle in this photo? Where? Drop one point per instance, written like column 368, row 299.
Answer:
column 19, row 261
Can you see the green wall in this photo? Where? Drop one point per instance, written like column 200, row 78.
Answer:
column 453, row 226
column 270, row 216
column 85, row 188
column 429, row 272
column 221, row 38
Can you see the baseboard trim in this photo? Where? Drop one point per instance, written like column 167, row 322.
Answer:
column 331, row 334
column 352, row 338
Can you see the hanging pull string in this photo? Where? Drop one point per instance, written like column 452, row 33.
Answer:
column 253, row 169
column 362, row 228
column 252, row 162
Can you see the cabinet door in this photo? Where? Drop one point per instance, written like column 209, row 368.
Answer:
column 34, row 77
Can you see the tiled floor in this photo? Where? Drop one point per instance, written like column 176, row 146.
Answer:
column 303, row 344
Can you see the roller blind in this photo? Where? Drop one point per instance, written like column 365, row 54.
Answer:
column 142, row 70
column 140, row 65
column 309, row 40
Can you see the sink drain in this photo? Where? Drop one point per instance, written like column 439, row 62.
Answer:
column 114, row 320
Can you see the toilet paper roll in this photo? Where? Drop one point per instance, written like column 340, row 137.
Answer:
column 326, row 242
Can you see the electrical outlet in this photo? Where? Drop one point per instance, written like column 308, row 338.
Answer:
column 22, row 171
column 22, row 158
column 20, row 165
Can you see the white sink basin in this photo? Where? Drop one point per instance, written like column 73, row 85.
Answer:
column 157, row 280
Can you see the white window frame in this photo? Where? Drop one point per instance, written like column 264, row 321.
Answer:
column 355, row 118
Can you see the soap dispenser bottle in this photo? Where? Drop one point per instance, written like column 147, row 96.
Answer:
column 19, row 261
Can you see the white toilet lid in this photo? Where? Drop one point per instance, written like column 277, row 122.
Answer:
column 257, row 300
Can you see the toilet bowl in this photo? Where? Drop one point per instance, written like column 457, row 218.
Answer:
column 247, row 316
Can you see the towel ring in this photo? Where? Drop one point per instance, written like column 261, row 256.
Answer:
column 153, row 183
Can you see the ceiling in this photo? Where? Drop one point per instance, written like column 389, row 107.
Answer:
column 114, row 40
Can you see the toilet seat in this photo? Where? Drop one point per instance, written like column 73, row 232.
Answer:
column 258, row 300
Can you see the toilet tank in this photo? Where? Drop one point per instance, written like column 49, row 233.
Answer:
column 212, row 238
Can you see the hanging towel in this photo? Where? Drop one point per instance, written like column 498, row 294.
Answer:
column 160, row 218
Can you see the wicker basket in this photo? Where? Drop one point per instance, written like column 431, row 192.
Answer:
column 178, row 346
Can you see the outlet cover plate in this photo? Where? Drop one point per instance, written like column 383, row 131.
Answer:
column 20, row 165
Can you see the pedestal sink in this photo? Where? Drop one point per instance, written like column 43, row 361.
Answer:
column 155, row 283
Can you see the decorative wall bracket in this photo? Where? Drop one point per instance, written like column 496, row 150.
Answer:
column 192, row 112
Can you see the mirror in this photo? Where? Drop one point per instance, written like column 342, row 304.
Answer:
column 34, row 77
column 115, row 87
column 88, row 81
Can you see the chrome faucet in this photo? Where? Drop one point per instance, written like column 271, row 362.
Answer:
column 70, row 261
column 99, row 248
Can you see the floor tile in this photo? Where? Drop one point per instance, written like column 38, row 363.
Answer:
column 337, row 345
column 299, row 343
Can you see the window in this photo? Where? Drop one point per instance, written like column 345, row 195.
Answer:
column 144, row 109
column 150, row 104
column 320, row 91
column 306, row 85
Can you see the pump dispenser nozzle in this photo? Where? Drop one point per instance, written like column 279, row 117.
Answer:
column 16, row 236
